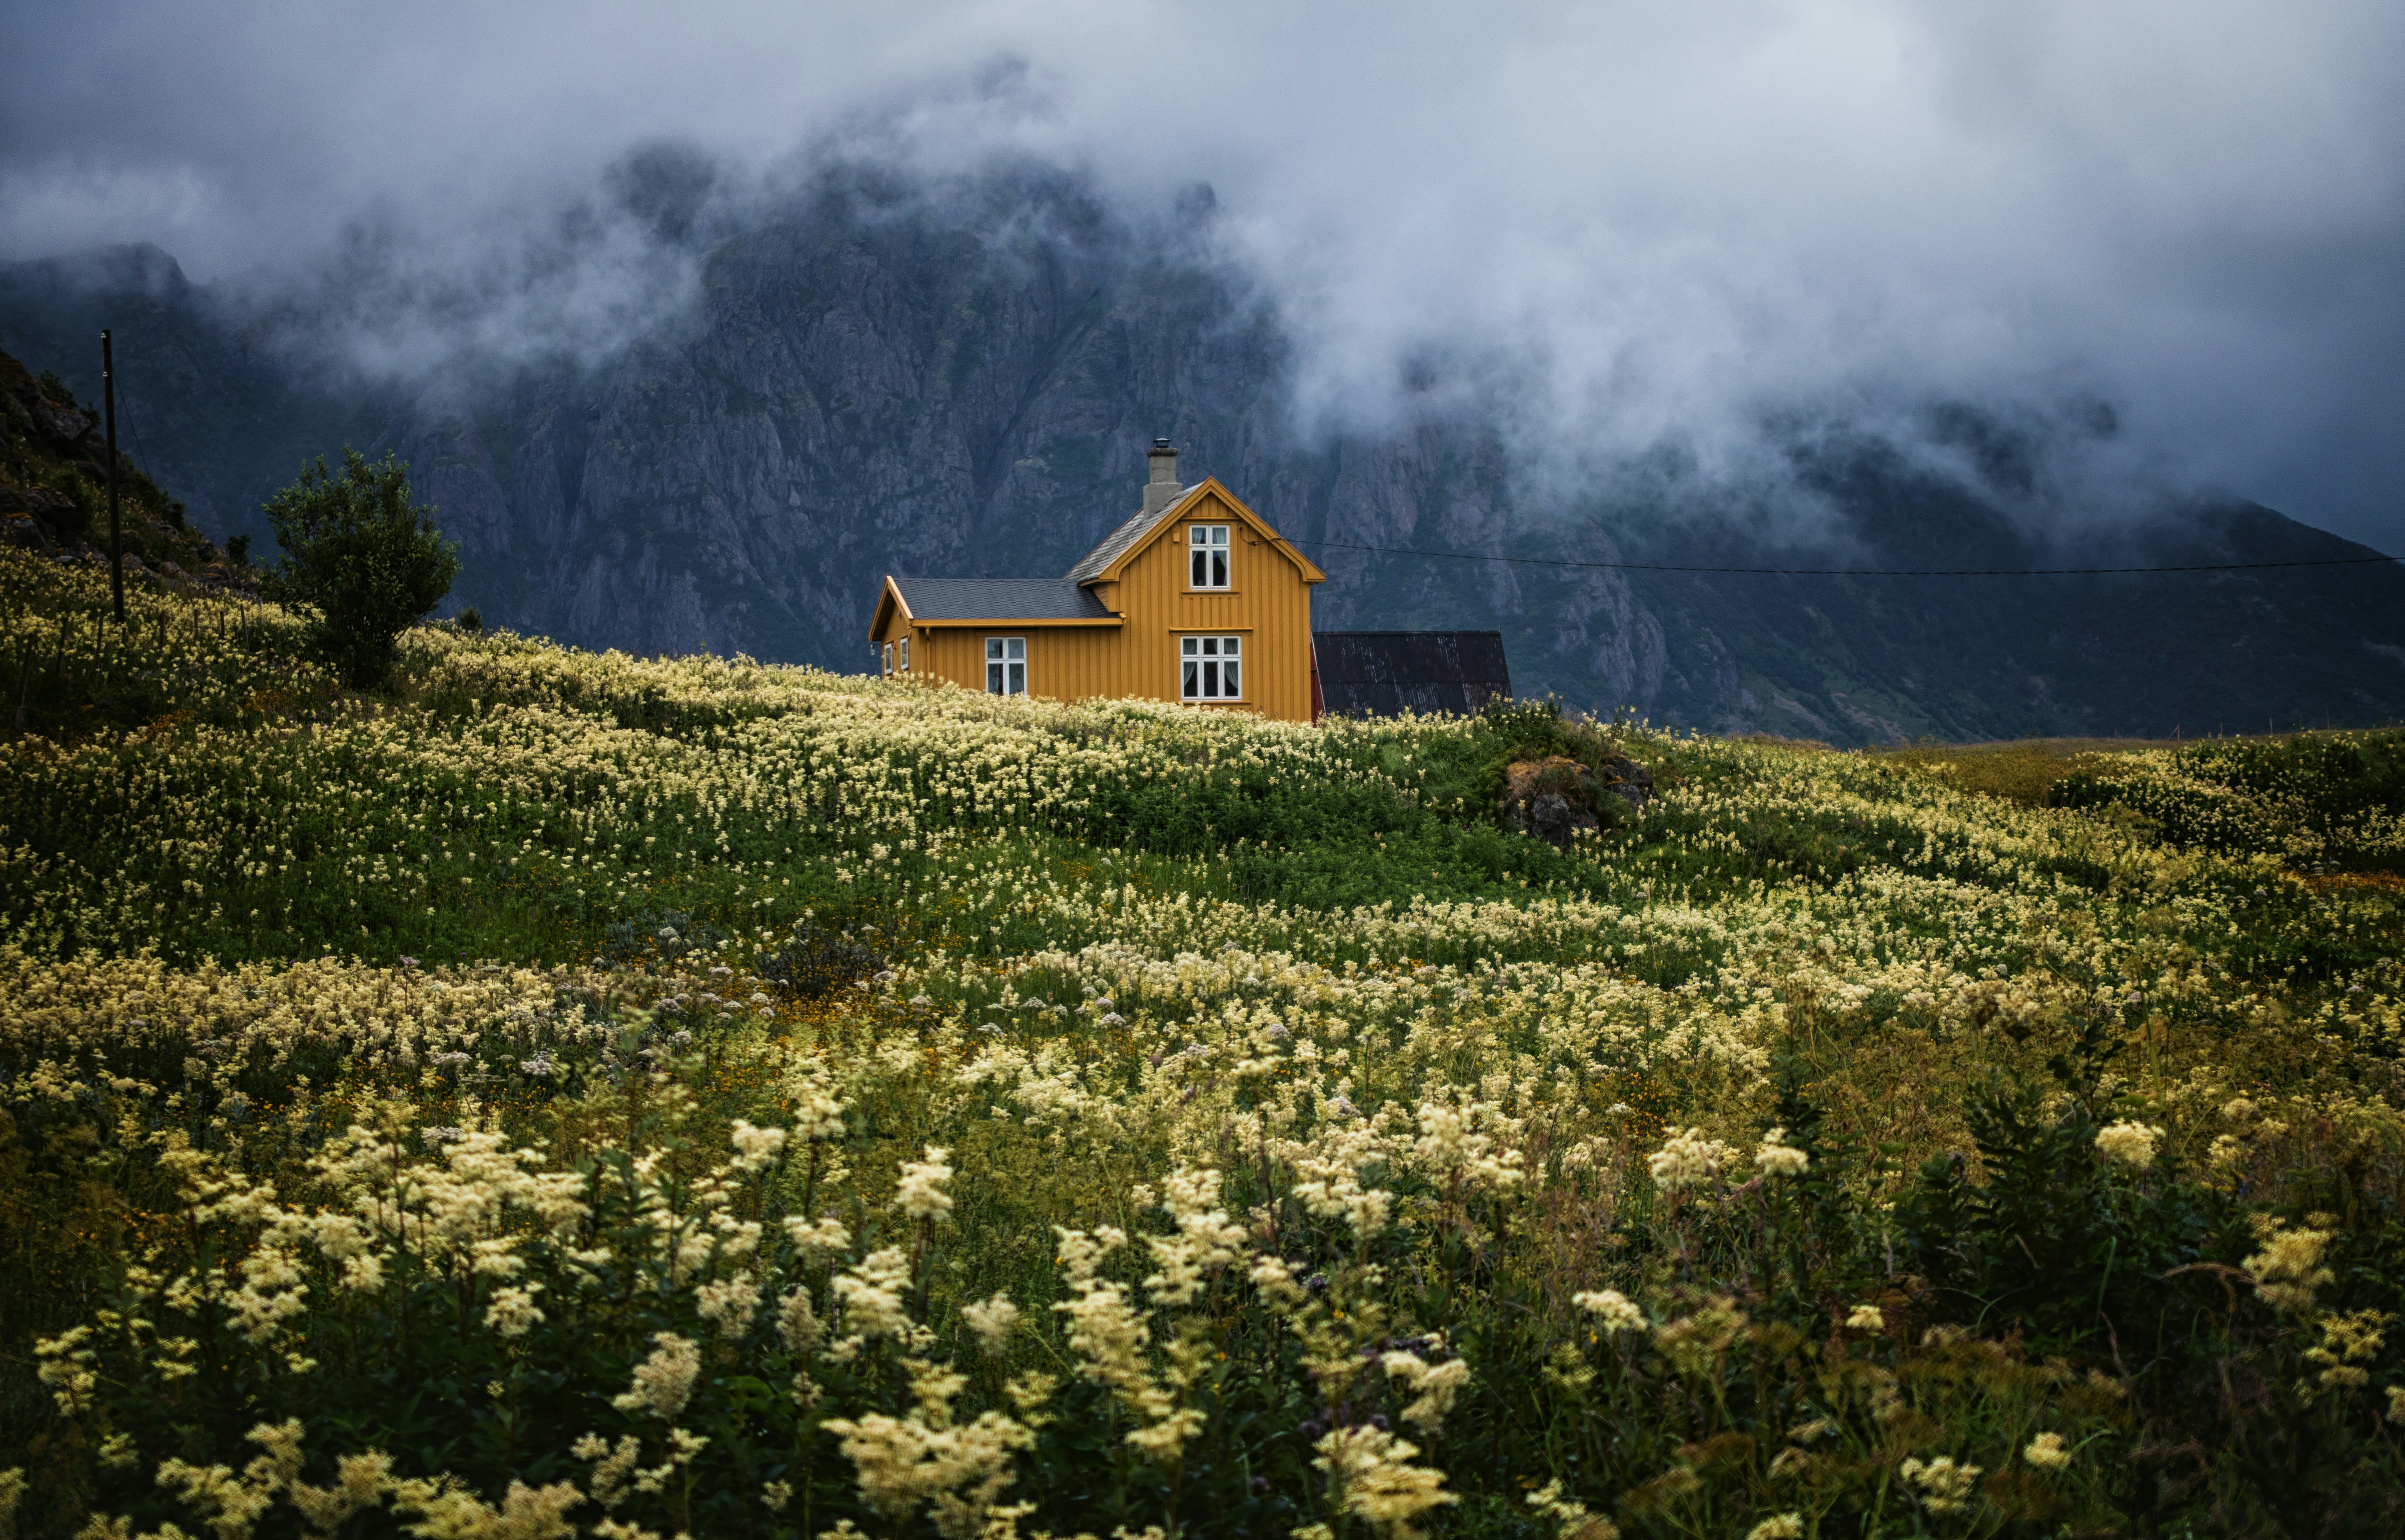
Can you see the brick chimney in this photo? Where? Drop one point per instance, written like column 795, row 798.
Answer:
column 1162, row 489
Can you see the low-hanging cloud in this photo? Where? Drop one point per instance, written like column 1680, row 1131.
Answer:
column 1650, row 225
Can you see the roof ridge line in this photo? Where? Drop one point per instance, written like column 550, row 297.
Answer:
column 1126, row 533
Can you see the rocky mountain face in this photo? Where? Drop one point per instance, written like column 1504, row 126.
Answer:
column 868, row 380
column 54, row 492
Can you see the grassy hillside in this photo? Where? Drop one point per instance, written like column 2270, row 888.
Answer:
column 54, row 488
column 572, row 1094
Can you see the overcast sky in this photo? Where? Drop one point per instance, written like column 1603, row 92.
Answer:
column 1661, row 220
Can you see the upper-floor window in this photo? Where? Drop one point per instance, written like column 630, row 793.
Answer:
column 1206, row 546
column 1006, row 665
column 1211, row 668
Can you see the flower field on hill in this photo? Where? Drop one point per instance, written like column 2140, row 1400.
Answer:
column 585, row 1095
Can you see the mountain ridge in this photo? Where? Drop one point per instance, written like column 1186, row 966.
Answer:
column 864, row 383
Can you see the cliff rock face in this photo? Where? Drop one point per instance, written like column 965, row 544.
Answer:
column 870, row 382
column 54, row 472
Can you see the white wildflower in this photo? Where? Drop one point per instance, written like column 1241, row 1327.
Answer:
column 756, row 1149
column 818, row 1240
column 1435, row 1385
column 1777, row 1158
column 1686, row 1159
column 798, row 1324
column 1371, row 1477
column 871, row 1294
column 2127, row 1143
column 992, row 1321
column 1945, row 1486
column 1205, row 1239
column 2290, row 1269
column 921, row 1195
column 664, row 1380
column 1613, row 1310
column 513, row 1312
column 729, row 1304
column 1571, row 1521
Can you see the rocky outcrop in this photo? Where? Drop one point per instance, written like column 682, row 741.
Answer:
column 1628, row 781
column 1557, row 798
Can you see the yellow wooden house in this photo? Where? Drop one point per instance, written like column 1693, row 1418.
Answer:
column 1195, row 599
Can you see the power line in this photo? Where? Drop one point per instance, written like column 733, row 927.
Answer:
column 1846, row 571
column 139, row 459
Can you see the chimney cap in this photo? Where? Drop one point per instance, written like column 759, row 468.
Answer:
column 1160, row 444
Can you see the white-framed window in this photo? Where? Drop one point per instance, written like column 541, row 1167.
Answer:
column 1211, row 668
column 889, row 657
column 1006, row 665
column 902, row 655
column 1206, row 549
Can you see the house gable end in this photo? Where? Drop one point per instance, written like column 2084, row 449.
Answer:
column 1185, row 509
column 889, row 603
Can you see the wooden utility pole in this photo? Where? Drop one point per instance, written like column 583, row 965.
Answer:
column 116, row 531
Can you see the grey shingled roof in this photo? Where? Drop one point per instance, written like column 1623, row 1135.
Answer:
column 999, row 599
column 1382, row 673
column 1126, row 535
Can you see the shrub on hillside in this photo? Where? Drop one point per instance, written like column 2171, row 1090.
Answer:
column 359, row 554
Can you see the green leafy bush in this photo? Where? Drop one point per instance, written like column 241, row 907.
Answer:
column 358, row 553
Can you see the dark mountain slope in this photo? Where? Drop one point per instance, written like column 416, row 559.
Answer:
column 54, row 489
column 873, row 380
column 1867, row 658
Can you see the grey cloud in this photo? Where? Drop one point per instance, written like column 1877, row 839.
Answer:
column 1651, row 229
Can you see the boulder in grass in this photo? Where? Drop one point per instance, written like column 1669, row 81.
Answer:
column 1557, row 798
column 1553, row 798
column 1629, row 781
column 64, row 424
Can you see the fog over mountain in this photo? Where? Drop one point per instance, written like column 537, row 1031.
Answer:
column 694, row 324
column 1651, row 225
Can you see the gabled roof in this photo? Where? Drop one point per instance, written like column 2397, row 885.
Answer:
column 1138, row 532
column 1127, row 537
column 951, row 600
column 999, row 599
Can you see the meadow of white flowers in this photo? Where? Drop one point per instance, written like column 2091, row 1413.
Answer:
column 582, row 1094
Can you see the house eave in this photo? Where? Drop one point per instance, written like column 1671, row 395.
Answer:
column 954, row 622
column 889, row 602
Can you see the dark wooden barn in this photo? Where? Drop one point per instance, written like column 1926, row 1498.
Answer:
column 1382, row 673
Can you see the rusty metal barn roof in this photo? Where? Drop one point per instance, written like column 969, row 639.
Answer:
column 1384, row 673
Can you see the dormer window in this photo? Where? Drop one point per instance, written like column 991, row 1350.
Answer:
column 1207, row 553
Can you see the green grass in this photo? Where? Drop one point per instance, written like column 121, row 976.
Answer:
column 2026, row 772
column 1417, row 1063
